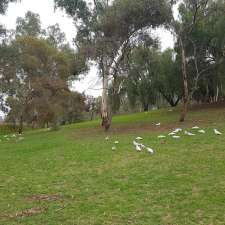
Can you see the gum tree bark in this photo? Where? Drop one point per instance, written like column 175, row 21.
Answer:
column 105, row 109
column 185, row 82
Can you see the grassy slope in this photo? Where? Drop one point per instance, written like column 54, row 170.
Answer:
column 183, row 183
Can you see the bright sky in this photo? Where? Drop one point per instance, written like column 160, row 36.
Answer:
column 45, row 8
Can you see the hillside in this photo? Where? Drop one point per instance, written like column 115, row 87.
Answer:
column 72, row 176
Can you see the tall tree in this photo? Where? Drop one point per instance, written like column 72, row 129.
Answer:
column 106, row 30
column 194, row 43
column 39, row 82
column 142, row 76
column 30, row 25
column 55, row 36
column 169, row 82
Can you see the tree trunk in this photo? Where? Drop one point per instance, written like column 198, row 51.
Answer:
column 146, row 107
column 217, row 93
column 21, row 125
column 185, row 82
column 92, row 115
column 105, row 111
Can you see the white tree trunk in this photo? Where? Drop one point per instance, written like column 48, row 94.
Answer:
column 185, row 82
column 105, row 110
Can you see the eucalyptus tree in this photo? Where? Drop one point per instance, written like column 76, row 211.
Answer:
column 195, row 42
column 55, row 36
column 143, row 68
column 39, row 82
column 182, row 30
column 105, row 30
column 30, row 25
column 169, row 82
column 4, row 51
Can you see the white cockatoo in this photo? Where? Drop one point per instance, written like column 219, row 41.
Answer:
column 116, row 142
column 171, row 134
column 217, row 132
column 150, row 150
column 158, row 124
column 161, row 136
column 139, row 138
column 189, row 133
column 176, row 137
column 195, row 127
column 201, row 131
column 177, row 130
column 138, row 148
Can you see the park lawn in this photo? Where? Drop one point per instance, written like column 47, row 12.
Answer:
column 72, row 176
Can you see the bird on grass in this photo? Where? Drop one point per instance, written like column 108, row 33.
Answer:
column 195, row 127
column 172, row 133
column 189, row 133
column 201, row 131
column 217, row 132
column 176, row 137
column 161, row 136
column 107, row 138
column 150, row 150
column 137, row 146
column 135, row 143
column 139, row 138
column 177, row 130
column 158, row 124
column 116, row 142
column 114, row 148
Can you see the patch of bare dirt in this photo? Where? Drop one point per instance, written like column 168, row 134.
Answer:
column 212, row 111
column 27, row 212
column 44, row 197
column 137, row 128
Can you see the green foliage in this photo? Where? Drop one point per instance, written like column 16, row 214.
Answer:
column 28, row 26
column 142, row 75
column 4, row 5
column 201, row 28
column 169, row 82
column 55, row 36
column 37, row 94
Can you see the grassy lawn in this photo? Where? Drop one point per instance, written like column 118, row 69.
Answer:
column 72, row 176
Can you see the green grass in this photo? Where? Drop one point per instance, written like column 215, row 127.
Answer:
column 182, row 183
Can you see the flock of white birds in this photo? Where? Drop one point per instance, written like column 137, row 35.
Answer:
column 16, row 137
column 138, row 146
column 176, row 134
